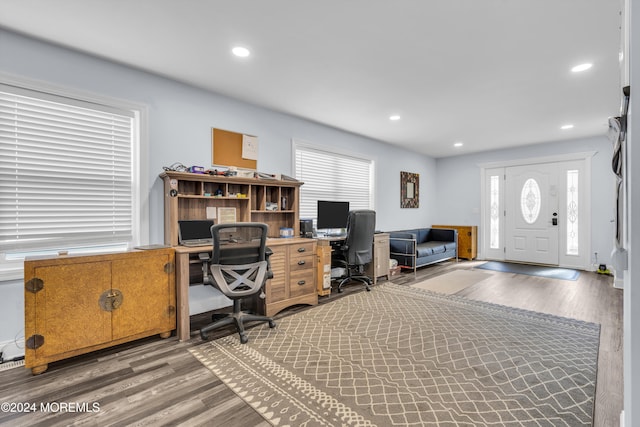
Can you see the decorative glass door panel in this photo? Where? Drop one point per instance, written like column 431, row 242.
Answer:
column 532, row 214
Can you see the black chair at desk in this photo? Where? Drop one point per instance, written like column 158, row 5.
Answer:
column 239, row 269
column 357, row 249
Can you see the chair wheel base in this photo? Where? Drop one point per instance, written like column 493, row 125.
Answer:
column 244, row 339
column 272, row 324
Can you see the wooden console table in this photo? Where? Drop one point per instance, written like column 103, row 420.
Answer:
column 467, row 239
column 77, row 304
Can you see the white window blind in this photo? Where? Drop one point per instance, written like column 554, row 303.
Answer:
column 332, row 176
column 65, row 172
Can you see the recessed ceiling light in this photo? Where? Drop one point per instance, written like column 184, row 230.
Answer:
column 581, row 67
column 458, row 144
column 395, row 117
column 565, row 127
column 240, row 51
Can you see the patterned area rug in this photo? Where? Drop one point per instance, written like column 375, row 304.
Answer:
column 453, row 281
column 401, row 356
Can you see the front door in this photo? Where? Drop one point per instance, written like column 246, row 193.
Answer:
column 532, row 214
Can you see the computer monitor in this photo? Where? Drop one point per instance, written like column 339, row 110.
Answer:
column 332, row 215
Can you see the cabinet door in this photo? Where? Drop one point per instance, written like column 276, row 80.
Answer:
column 67, row 313
column 382, row 255
column 148, row 294
column 277, row 287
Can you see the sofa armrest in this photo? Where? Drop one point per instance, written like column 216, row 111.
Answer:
column 403, row 235
column 403, row 245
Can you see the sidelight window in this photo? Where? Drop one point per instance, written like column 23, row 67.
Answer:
column 572, row 212
column 495, row 211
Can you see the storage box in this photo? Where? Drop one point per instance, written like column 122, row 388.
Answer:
column 394, row 271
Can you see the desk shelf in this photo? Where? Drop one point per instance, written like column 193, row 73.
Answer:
column 188, row 195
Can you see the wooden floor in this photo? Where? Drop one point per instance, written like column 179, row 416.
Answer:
column 158, row 382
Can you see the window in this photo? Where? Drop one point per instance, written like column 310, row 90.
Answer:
column 530, row 201
column 332, row 176
column 572, row 212
column 68, row 173
column 495, row 212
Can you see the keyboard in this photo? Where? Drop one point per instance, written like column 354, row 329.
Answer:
column 197, row 242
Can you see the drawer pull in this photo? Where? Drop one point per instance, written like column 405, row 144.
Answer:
column 302, row 262
column 301, row 249
column 301, row 282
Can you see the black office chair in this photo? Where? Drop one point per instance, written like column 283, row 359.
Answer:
column 239, row 269
column 357, row 250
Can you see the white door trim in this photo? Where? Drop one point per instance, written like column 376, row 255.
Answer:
column 584, row 261
column 534, row 160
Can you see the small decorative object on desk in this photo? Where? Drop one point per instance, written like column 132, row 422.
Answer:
column 286, row 232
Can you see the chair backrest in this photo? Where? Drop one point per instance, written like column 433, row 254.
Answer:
column 239, row 243
column 361, row 225
column 239, row 266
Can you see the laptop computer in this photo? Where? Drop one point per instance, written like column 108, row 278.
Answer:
column 195, row 232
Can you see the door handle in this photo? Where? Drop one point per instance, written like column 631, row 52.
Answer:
column 554, row 220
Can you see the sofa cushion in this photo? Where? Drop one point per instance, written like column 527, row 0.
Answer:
column 431, row 248
column 423, row 235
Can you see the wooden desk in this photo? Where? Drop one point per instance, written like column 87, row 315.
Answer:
column 294, row 267
column 183, row 330
column 378, row 267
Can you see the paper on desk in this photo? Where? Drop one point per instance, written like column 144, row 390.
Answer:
column 211, row 212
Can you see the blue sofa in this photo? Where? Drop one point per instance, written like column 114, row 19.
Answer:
column 423, row 246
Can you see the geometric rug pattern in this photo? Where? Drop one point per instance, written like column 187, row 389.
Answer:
column 401, row 356
column 453, row 281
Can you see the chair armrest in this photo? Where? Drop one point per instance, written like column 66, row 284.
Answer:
column 403, row 235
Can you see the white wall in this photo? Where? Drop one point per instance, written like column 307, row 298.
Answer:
column 632, row 278
column 180, row 122
column 459, row 186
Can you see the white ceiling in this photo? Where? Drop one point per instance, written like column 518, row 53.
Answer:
column 488, row 73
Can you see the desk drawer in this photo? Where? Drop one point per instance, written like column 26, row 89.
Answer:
column 302, row 283
column 302, row 262
column 276, row 290
column 301, row 250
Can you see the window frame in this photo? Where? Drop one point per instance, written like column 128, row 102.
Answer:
column 11, row 262
column 298, row 144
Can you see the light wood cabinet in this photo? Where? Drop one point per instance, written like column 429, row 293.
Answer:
column 293, row 264
column 467, row 240
column 379, row 265
column 323, row 269
column 78, row 304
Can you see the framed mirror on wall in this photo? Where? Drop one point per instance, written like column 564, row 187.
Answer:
column 409, row 190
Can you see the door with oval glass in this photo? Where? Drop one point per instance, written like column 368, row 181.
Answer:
column 532, row 213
